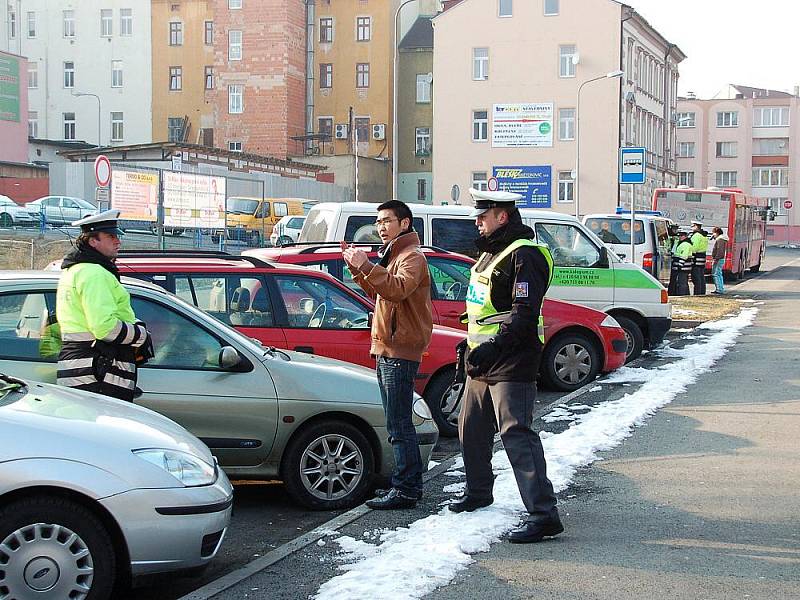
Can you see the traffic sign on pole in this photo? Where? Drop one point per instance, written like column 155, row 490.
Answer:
column 492, row 184
column 102, row 170
column 632, row 165
column 787, row 204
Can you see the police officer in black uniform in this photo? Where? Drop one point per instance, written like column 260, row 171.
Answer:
column 504, row 303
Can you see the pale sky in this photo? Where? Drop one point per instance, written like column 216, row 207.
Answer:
column 730, row 41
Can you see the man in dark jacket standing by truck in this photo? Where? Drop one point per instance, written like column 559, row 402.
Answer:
column 505, row 338
column 402, row 325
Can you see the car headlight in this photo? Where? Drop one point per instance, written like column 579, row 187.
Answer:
column 609, row 321
column 421, row 408
column 190, row 470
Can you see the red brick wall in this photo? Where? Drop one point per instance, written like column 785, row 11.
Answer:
column 23, row 190
column 272, row 71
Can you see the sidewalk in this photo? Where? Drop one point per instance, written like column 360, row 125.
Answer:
column 701, row 502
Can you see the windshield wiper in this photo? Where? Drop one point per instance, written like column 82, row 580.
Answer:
column 273, row 351
column 10, row 384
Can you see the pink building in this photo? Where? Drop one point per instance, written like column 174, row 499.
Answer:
column 13, row 109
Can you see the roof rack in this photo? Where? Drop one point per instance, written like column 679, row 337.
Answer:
column 154, row 253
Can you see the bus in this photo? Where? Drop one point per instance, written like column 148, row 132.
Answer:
column 742, row 218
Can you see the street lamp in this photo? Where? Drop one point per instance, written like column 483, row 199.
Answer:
column 78, row 95
column 394, row 104
column 611, row 75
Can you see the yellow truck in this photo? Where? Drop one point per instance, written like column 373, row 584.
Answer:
column 251, row 220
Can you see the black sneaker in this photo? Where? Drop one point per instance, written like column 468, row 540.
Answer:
column 533, row 531
column 393, row 500
column 469, row 503
column 381, row 492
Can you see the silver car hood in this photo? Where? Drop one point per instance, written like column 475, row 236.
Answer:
column 54, row 421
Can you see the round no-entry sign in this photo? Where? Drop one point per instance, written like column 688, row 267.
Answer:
column 492, row 184
column 102, row 170
column 787, row 204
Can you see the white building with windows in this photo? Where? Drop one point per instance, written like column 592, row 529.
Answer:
column 89, row 65
column 745, row 138
column 512, row 109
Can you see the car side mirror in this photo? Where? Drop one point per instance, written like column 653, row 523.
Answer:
column 229, row 358
column 603, row 261
column 370, row 316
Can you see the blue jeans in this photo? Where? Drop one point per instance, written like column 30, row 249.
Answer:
column 396, row 381
column 716, row 273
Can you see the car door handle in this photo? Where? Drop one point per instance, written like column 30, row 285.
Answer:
column 306, row 349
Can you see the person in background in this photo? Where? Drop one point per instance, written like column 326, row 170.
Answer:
column 699, row 239
column 682, row 263
column 402, row 326
column 674, row 238
column 718, row 252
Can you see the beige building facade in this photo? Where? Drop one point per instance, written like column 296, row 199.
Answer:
column 510, row 110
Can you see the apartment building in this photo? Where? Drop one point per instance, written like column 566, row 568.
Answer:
column 88, row 72
column 538, row 82
column 183, row 70
column 747, row 138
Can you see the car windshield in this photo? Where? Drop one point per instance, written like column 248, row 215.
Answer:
column 242, row 206
column 616, row 230
column 84, row 204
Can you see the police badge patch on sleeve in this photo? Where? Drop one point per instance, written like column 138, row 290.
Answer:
column 521, row 289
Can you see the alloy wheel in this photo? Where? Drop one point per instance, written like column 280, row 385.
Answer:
column 331, row 467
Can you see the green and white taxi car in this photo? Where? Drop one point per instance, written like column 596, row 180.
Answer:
column 315, row 423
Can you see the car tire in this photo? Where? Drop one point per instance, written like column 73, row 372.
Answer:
column 439, row 401
column 634, row 337
column 569, row 362
column 6, row 220
column 44, row 524
column 312, row 483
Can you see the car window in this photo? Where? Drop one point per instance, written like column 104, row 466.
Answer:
column 314, row 303
column 296, row 223
column 241, row 301
column 70, row 203
column 449, row 279
column 361, row 228
column 568, row 245
column 28, row 327
column 663, row 236
column 456, row 235
column 179, row 343
column 616, row 230
column 281, row 209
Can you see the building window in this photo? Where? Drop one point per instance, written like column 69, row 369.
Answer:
column 771, row 147
column 12, row 24
column 685, row 120
column 566, row 64
column 326, row 30
column 362, row 75
column 116, row 73
column 236, row 99
column 69, row 126
column 423, row 143
column 771, row 116
column 235, row 44
column 776, row 205
column 362, row 128
column 208, row 33
column 175, row 78
column 126, row 21
column 728, row 119
column 234, row 4
column 727, row 149
column 505, row 8
column 550, row 7
column 480, row 64
column 423, row 88
column 480, row 125
column 209, row 78
column 235, row 146
column 175, row 33
column 686, row 178
column 480, row 181
column 106, row 22
column 33, row 75
column 422, row 190
column 69, row 74
column 566, row 187
column 174, row 129
column 363, row 29
column 566, row 124
column 31, row 24
column 326, row 75
column 325, row 126
column 685, row 150
column 725, row 178
column 117, row 127
column 33, row 123
column 69, row 26
column 771, row 177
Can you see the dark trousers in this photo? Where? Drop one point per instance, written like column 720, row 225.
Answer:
column 673, row 282
column 396, row 381
column 699, row 276
column 681, row 284
column 509, row 406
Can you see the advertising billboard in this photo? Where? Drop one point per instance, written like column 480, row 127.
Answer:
column 9, row 88
column 194, row 201
column 135, row 194
column 532, row 182
column 522, row 125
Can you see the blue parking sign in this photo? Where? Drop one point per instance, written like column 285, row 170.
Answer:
column 632, row 165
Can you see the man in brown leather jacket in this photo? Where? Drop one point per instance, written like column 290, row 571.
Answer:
column 402, row 324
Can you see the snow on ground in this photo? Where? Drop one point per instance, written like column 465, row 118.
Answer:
column 409, row 562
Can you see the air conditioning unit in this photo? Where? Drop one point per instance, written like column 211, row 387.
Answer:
column 379, row 131
column 341, row 131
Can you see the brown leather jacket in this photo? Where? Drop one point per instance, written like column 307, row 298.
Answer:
column 403, row 320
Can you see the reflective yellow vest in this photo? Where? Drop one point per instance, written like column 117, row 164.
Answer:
column 481, row 326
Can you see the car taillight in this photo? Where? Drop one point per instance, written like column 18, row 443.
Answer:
column 647, row 260
column 664, row 297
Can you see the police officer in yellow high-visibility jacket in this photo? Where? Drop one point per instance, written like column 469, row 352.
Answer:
column 505, row 338
column 699, row 239
column 99, row 332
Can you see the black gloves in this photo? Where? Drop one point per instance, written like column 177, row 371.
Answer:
column 482, row 357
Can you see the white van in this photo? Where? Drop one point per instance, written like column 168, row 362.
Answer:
column 586, row 272
column 652, row 244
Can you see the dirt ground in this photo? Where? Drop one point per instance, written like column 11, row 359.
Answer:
column 703, row 308
column 25, row 251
